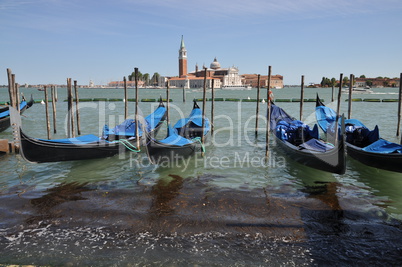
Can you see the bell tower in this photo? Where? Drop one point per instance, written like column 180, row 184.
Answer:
column 182, row 59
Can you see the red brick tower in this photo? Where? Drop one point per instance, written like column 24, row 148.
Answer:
column 182, row 59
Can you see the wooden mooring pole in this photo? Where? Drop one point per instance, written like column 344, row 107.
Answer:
column 17, row 94
column 301, row 97
column 212, row 106
column 53, row 93
column 125, row 98
column 203, row 109
column 11, row 88
column 136, row 109
column 47, row 113
column 257, row 111
column 77, row 109
column 70, row 119
column 398, row 129
column 12, row 94
column 269, row 112
column 350, row 96
column 338, row 107
column 167, row 104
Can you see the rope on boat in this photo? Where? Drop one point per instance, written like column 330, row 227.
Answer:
column 128, row 145
column 198, row 139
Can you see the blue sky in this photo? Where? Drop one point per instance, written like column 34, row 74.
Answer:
column 47, row 41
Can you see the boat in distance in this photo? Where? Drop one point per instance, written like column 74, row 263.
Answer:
column 303, row 145
column 363, row 144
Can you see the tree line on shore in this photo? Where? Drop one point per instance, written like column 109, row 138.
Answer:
column 145, row 78
column 326, row 82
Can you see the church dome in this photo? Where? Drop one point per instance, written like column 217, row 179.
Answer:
column 215, row 65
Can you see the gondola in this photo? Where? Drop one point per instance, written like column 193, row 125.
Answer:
column 182, row 141
column 362, row 144
column 5, row 115
column 3, row 108
column 303, row 145
column 126, row 129
column 82, row 147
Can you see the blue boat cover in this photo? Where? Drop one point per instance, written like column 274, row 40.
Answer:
column 127, row 128
column 383, row 146
column 278, row 114
column 80, row 140
column 295, row 131
column 195, row 118
column 325, row 117
column 7, row 112
column 358, row 134
column 317, row 145
column 155, row 118
column 174, row 138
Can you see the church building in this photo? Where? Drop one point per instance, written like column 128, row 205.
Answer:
column 222, row 77
column 228, row 78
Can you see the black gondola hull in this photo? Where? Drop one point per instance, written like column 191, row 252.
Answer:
column 331, row 161
column 389, row 162
column 385, row 161
column 5, row 122
column 160, row 153
column 35, row 150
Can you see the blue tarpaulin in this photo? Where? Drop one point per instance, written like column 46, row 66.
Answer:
column 325, row 117
column 383, row 146
column 279, row 115
column 317, row 145
column 127, row 128
column 195, row 118
column 174, row 138
column 290, row 132
column 80, row 140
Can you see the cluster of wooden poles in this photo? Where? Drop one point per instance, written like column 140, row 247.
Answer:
column 13, row 90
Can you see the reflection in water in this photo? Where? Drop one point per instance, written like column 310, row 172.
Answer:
column 164, row 191
column 384, row 184
column 329, row 220
column 326, row 192
column 57, row 195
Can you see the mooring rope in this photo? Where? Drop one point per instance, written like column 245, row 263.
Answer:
column 198, row 139
column 128, row 145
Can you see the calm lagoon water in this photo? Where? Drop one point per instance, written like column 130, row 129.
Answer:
column 229, row 208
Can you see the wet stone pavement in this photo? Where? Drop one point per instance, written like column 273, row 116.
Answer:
column 185, row 221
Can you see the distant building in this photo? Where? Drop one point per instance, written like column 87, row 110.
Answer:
column 194, row 82
column 129, row 84
column 182, row 59
column 376, row 82
column 222, row 77
column 252, row 80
